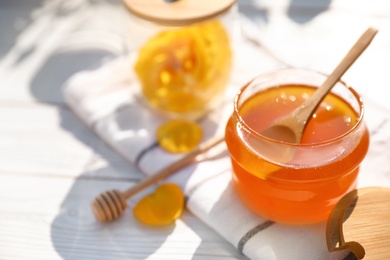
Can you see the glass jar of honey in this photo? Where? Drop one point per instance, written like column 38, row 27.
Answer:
column 181, row 53
column 320, row 170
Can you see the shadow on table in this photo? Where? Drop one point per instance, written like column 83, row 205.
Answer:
column 74, row 231
column 299, row 11
column 14, row 19
column 18, row 16
column 303, row 11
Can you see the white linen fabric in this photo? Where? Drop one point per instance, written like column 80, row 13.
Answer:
column 105, row 100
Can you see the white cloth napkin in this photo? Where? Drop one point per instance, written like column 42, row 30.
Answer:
column 105, row 101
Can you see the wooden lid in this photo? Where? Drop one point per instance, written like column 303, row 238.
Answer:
column 360, row 223
column 178, row 12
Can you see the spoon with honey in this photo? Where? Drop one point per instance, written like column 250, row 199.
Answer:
column 111, row 204
column 291, row 127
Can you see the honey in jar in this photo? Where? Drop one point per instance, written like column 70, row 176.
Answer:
column 183, row 53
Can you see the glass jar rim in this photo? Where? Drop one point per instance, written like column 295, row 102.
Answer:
column 357, row 97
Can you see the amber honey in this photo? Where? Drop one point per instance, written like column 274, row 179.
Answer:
column 181, row 54
column 331, row 150
column 183, row 70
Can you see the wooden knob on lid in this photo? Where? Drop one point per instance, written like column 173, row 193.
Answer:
column 179, row 12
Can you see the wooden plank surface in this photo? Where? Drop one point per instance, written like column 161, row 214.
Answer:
column 49, row 218
column 51, row 140
column 52, row 165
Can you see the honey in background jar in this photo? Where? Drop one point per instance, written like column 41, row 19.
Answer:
column 183, row 53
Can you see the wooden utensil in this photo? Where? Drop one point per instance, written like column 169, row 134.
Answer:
column 360, row 223
column 290, row 128
column 110, row 204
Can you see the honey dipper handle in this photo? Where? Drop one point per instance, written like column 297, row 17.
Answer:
column 172, row 168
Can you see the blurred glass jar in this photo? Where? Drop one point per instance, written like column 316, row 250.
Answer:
column 182, row 53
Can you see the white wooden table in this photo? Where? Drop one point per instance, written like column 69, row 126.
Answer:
column 52, row 165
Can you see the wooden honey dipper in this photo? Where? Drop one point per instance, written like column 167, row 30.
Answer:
column 111, row 204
